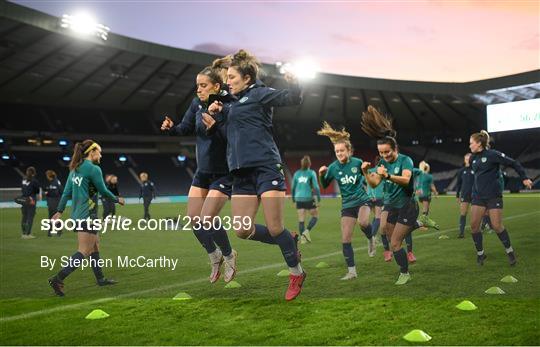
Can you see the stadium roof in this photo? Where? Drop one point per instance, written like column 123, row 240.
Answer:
column 41, row 63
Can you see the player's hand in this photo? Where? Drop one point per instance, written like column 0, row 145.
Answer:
column 322, row 170
column 215, row 108
column 121, row 201
column 208, row 120
column 365, row 166
column 167, row 124
column 382, row 171
column 528, row 183
column 57, row 215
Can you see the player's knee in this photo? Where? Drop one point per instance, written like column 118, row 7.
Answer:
column 395, row 246
column 275, row 229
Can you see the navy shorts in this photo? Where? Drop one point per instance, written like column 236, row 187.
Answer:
column 465, row 198
column 405, row 215
column 219, row 182
column 376, row 202
column 258, row 180
column 353, row 211
column 490, row 204
column 424, row 198
column 306, row 205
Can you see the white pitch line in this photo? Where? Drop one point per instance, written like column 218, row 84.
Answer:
column 201, row 280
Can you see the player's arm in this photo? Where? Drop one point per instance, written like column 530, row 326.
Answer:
column 371, row 178
column 96, row 177
column 503, row 159
column 286, row 97
column 293, row 187
column 325, row 176
column 66, row 195
column 315, row 186
column 458, row 183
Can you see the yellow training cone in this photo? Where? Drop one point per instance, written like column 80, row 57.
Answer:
column 97, row 314
column 233, row 284
column 182, row 296
column 466, row 305
column 322, row 265
column 417, row 335
column 495, row 290
column 283, row 273
column 509, row 279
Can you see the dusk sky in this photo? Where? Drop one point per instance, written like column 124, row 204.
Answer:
column 452, row 41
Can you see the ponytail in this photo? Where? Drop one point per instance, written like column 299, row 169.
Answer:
column 80, row 151
column 336, row 136
column 379, row 126
column 482, row 137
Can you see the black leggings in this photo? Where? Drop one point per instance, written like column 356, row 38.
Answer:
column 28, row 214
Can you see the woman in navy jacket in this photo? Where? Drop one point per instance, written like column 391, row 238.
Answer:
column 212, row 183
column 255, row 162
column 487, row 192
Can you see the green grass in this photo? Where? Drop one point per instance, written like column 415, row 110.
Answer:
column 369, row 310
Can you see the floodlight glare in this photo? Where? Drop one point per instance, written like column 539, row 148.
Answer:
column 122, row 158
column 303, row 69
column 181, row 158
column 84, row 24
column 66, row 158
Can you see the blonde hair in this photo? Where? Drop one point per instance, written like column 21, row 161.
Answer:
column 482, row 137
column 336, row 136
column 424, row 166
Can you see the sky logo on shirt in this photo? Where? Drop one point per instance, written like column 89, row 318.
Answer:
column 348, row 179
column 302, row 179
column 484, row 159
column 77, row 180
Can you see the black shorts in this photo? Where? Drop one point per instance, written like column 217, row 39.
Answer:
column 376, row 202
column 85, row 228
column 257, row 180
column 306, row 205
column 424, row 198
column 466, row 198
column 219, row 182
column 490, row 204
column 406, row 215
column 353, row 211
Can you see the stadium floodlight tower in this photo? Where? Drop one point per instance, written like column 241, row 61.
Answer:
column 85, row 25
column 303, row 69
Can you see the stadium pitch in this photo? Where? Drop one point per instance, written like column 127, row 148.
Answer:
column 369, row 310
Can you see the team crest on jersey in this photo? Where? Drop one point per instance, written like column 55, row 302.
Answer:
column 341, row 173
column 244, row 99
column 200, row 107
column 484, row 159
column 354, row 170
column 396, row 170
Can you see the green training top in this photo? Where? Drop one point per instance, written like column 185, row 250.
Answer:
column 304, row 182
column 350, row 181
column 395, row 195
column 426, row 180
column 79, row 183
column 376, row 193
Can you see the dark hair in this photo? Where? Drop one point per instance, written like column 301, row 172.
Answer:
column 79, row 153
column 246, row 65
column 482, row 137
column 213, row 74
column 305, row 162
column 379, row 126
column 30, row 173
column 51, row 175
